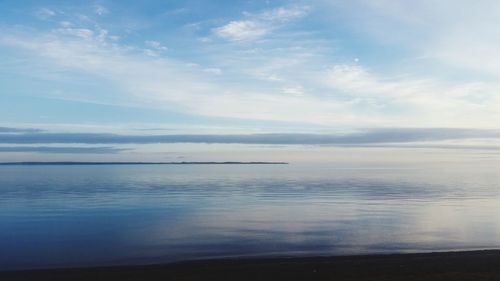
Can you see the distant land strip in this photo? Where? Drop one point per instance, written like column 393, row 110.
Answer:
column 141, row 163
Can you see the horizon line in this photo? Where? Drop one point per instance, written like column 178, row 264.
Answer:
column 31, row 163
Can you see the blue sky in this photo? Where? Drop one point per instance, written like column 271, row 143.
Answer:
column 333, row 68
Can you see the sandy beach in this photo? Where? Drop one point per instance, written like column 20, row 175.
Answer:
column 471, row 265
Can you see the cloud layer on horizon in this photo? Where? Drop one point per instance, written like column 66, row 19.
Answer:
column 18, row 130
column 363, row 137
column 61, row 150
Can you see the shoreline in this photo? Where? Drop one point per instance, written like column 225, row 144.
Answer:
column 460, row 265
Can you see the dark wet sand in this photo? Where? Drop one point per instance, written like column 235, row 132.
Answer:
column 474, row 265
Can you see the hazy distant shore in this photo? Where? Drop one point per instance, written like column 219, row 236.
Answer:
column 142, row 163
column 471, row 265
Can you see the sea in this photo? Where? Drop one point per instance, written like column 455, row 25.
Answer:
column 96, row 215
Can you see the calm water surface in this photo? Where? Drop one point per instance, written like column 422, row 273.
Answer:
column 99, row 215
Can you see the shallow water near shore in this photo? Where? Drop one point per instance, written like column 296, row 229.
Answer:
column 53, row 216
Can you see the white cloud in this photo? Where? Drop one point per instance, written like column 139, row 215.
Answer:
column 258, row 25
column 83, row 33
column 205, row 39
column 284, row 14
column 297, row 91
column 156, row 45
column 100, row 10
column 242, row 30
column 45, row 13
column 150, row 53
column 213, row 70
column 66, row 24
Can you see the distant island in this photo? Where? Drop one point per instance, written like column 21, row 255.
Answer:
column 142, row 163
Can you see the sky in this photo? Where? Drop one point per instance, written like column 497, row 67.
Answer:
column 247, row 80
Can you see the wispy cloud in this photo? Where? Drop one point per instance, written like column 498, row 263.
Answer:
column 347, row 95
column 45, row 13
column 100, row 10
column 457, row 34
column 167, row 83
column 300, row 75
column 83, row 33
column 154, row 48
column 242, row 30
column 420, row 98
column 156, row 45
column 257, row 25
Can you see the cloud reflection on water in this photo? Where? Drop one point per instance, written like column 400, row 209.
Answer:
column 111, row 214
